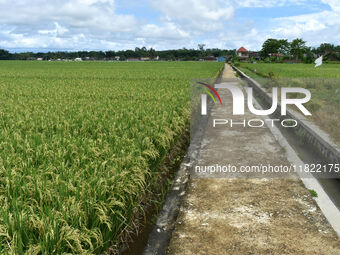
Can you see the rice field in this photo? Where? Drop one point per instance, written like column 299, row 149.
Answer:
column 79, row 143
column 323, row 82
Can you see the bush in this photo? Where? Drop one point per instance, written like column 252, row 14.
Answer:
column 313, row 105
column 271, row 74
column 266, row 60
column 313, row 193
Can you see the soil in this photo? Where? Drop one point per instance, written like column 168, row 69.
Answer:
column 251, row 216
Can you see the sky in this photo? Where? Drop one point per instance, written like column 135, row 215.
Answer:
column 71, row 25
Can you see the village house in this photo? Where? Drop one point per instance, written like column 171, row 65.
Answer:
column 210, row 58
column 221, row 59
column 278, row 55
column 254, row 54
column 331, row 55
column 133, row 60
column 243, row 54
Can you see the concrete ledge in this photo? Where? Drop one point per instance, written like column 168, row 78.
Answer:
column 160, row 236
column 314, row 136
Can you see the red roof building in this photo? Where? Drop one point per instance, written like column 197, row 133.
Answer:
column 276, row 54
column 243, row 53
column 242, row 49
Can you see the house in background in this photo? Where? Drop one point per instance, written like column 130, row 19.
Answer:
column 255, row 55
column 210, row 58
column 221, row 59
column 133, row 60
column 278, row 55
column 243, row 54
column 331, row 55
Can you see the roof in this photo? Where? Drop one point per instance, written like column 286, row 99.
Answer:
column 210, row 57
column 242, row 49
column 276, row 54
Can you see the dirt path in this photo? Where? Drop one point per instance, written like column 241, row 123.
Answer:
column 224, row 215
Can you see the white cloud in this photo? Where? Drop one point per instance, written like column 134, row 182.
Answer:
column 58, row 31
column 92, row 24
column 268, row 3
column 100, row 24
column 315, row 28
column 334, row 4
column 167, row 31
column 61, row 20
column 193, row 10
column 196, row 16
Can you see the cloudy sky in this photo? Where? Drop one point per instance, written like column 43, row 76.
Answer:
column 41, row 25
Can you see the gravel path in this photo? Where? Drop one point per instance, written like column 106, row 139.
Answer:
column 221, row 214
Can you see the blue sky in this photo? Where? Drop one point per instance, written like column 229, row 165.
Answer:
column 42, row 25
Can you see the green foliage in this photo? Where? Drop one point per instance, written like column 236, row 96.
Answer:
column 313, row 193
column 4, row 55
column 296, row 70
column 79, row 144
column 309, row 58
column 331, row 56
column 297, row 48
column 185, row 54
column 324, row 88
column 325, row 47
column 266, row 60
column 271, row 74
column 274, row 46
column 314, row 105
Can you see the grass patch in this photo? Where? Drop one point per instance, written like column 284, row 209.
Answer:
column 313, row 193
column 323, row 83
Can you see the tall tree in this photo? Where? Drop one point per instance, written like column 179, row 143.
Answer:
column 297, row 48
column 201, row 47
column 4, row 55
column 152, row 53
column 325, row 47
column 274, row 46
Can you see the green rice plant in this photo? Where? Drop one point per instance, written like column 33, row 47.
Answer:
column 79, row 144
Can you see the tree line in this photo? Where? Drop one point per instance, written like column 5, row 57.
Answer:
column 179, row 54
column 272, row 50
column 281, row 49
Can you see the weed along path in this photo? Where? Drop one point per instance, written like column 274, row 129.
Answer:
column 233, row 212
